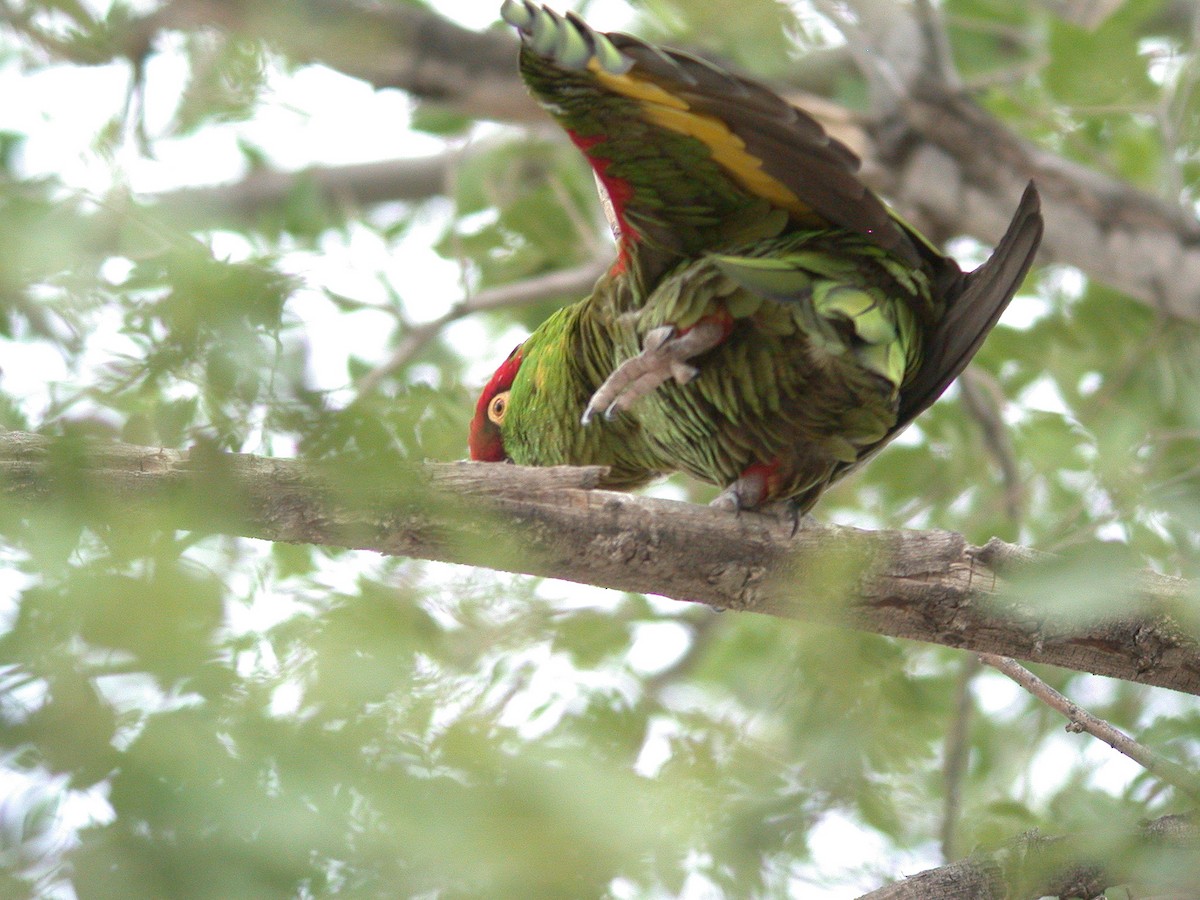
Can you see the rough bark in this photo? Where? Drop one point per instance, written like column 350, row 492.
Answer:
column 388, row 45
column 940, row 156
column 1163, row 867
column 923, row 585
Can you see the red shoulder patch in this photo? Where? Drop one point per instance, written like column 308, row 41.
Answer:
column 619, row 191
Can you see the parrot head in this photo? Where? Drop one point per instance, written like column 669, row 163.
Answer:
column 486, row 440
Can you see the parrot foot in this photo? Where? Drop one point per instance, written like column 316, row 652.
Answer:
column 751, row 489
column 736, row 497
column 745, row 493
column 664, row 356
column 751, row 492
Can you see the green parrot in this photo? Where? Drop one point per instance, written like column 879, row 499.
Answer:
column 768, row 324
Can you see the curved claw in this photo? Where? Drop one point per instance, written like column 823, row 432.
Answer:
column 664, row 356
column 681, row 372
column 748, row 493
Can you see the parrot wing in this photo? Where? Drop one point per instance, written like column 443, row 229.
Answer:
column 692, row 157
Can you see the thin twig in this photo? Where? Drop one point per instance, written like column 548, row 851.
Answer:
column 1010, row 76
column 957, row 747
column 1089, row 14
column 564, row 282
column 982, row 400
column 939, row 61
column 450, row 189
column 1170, row 772
column 884, row 83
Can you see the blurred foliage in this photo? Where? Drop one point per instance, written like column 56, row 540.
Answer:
column 185, row 714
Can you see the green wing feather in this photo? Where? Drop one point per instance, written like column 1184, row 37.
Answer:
column 699, row 157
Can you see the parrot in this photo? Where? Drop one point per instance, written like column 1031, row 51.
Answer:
column 768, row 323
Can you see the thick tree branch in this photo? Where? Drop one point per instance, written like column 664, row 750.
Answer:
column 947, row 161
column 1035, row 866
column 388, row 45
column 265, row 191
column 930, row 586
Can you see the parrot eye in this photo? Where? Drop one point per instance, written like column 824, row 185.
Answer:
column 498, row 407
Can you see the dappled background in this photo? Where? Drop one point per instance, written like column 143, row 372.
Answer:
column 236, row 226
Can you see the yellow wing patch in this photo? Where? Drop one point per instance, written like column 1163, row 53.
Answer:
column 666, row 110
column 730, row 152
column 635, row 88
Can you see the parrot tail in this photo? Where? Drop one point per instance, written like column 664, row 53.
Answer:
column 973, row 307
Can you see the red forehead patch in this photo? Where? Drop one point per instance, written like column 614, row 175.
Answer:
column 485, row 440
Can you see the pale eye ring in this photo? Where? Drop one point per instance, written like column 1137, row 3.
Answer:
column 498, row 407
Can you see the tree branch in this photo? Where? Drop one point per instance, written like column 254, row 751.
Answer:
column 983, row 400
column 930, row 586
column 956, row 748
column 1082, row 720
column 267, row 190
column 385, row 44
column 562, row 283
column 946, row 161
column 1034, row 866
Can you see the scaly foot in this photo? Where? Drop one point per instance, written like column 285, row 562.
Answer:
column 751, row 490
column 664, row 355
column 746, row 493
column 752, row 487
column 738, row 496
